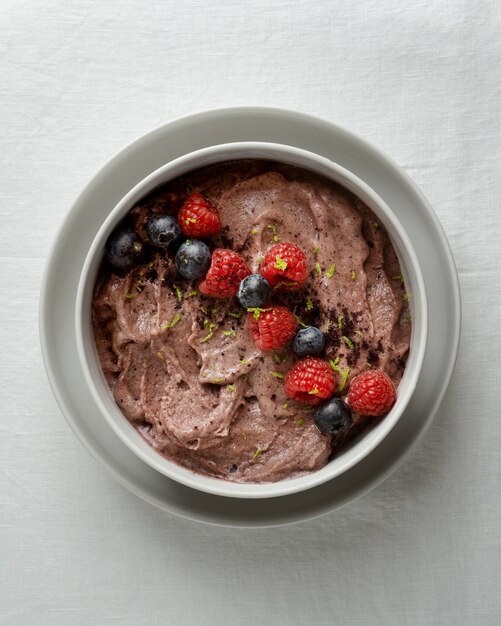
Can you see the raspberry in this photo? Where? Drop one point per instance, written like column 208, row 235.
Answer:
column 284, row 266
column 225, row 273
column 310, row 381
column 372, row 393
column 273, row 327
column 198, row 218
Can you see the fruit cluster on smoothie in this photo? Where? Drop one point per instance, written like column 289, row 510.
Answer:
column 251, row 319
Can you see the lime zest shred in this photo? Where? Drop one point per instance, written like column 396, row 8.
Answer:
column 316, row 250
column 405, row 297
column 254, row 231
column 243, row 361
column 274, row 230
column 190, row 220
column 236, row 314
column 348, row 342
column 309, row 304
column 191, row 293
column 173, row 322
column 328, row 326
column 318, row 268
column 256, row 312
column 229, row 333
column 285, row 406
column 277, row 374
column 256, row 454
column 353, row 275
column 231, row 387
column 277, row 358
column 260, row 259
column 359, row 333
column 217, row 381
column 343, row 373
column 299, row 321
column 330, row 272
column 407, row 319
column 398, row 277
column 210, row 334
column 340, row 322
column 280, row 264
column 299, row 422
column 313, row 392
column 178, row 291
column 204, row 310
column 214, row 310
column 129, row 296
column 376, row 225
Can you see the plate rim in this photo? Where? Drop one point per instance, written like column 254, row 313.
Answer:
column 206, row 116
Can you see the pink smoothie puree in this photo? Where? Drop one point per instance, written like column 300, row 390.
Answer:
column 183, row 367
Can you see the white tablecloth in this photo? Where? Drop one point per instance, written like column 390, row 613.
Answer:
column 78, row 80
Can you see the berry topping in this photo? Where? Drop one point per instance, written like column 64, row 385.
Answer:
column 198, row 217
column 308, row 341
column 372, row 393
column 333, row 417
column 162, row 230
column 253, row 291
column 284, row 266
column 124, row 248
column 192, row 259
column 225, row 273
column 271, row 328
column 310, row 381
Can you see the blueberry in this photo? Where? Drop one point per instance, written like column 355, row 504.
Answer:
column 333, row 417
column 193, row 259
column 124, row 248
column 162, row 230
column 253, row 291
column 308, row 341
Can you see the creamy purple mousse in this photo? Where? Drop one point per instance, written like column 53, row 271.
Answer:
column 183, row 368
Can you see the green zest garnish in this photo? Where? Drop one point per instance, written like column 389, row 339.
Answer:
column 254, row 231
column 340, row 322
column 256, row 312
column 348, row 343
column 376, row 225
column 343, row 373
column 231, row 387
column 316, row 250
column 256, row 454
column 358, row 332
column 407, row 319
column 229, row 333
column 139, row 287
column 280, row 264
column 405, row 297
column 259, row 259
column 330, row 272
column 217, row 381
column 204, row 310
column 277, row 374
column 172, row 323
column 309, row 304
column 398, row 277
column 299, row 422
column 129, row 296
column 243, row 361
column 353, row 275
column 190, row 220
column 236, row 314
column 285, row 406
column 273, row 229
column 276, row 358
column 313, row 392
column 328, row 326
column 206, row 322
column 214, row 310
column 191, row 293
column 187, row 242
column 178, row 291
column 299, row 321
column 210, row 334
column 318, row 268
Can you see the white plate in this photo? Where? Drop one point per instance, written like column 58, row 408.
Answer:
column 64, row 265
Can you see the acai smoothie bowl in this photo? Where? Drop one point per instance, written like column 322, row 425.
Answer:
column 251, row 320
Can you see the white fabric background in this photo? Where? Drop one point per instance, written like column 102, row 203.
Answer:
column 78, row 80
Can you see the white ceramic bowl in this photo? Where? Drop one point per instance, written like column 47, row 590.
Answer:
column 355, row 451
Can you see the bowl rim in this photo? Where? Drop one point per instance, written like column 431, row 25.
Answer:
column 288, row 154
